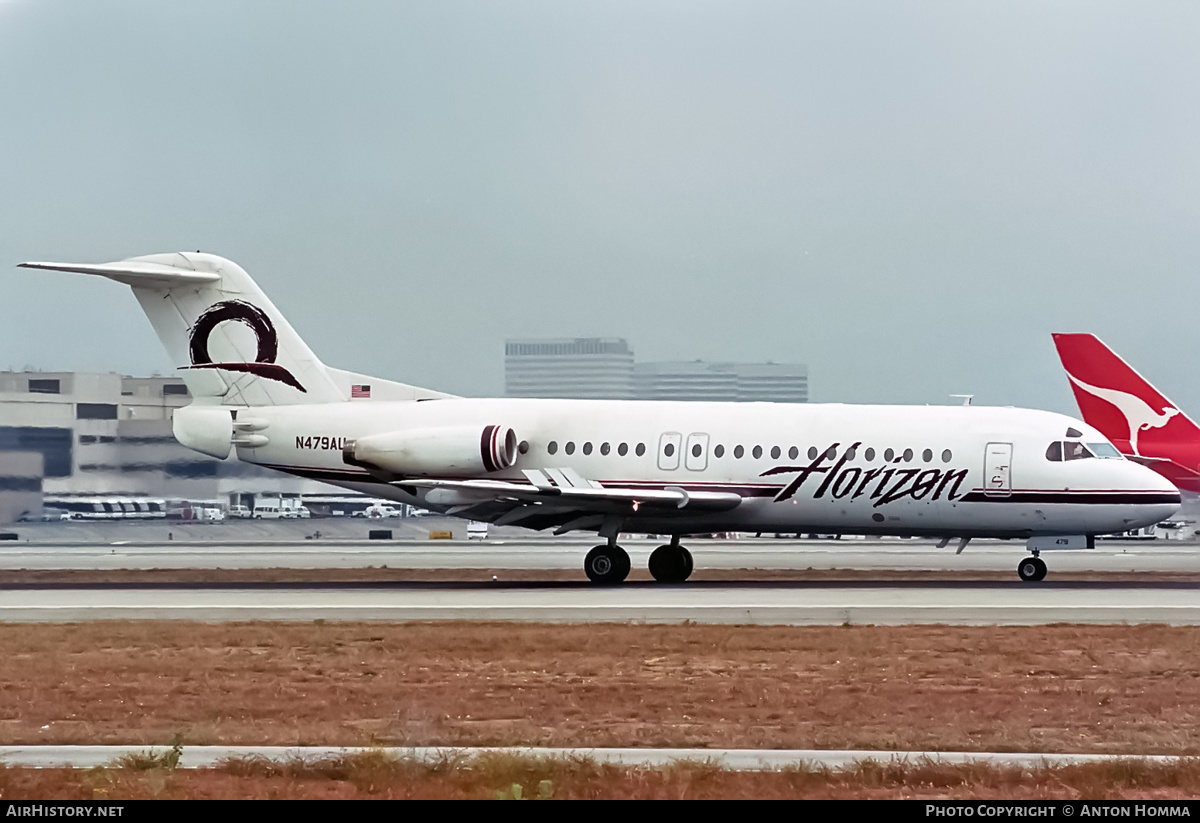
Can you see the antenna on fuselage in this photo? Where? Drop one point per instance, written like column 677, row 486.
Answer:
column 966, row 398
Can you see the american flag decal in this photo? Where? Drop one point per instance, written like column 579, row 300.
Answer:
column 360, row 391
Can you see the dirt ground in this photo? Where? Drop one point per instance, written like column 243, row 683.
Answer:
column 1061, row 688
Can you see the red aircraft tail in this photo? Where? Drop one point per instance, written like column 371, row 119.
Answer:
column 1135, row 416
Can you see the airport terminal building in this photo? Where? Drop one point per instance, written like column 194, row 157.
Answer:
column 79, row 434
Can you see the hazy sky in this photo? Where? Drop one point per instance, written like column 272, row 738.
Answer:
column 908, row 196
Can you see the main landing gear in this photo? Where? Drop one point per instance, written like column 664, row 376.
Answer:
column 608, row 564
column 1032, row 569
column 671, row 563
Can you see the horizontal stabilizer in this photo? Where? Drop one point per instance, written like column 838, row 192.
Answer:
column 229, row 341
column 138, row 273
column 1146, row 461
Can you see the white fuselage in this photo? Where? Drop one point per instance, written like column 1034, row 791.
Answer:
column 908, row 470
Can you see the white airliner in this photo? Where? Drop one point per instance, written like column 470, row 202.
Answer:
column 623, row 466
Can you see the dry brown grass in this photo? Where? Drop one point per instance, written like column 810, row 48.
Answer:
column 1058, row 688
column 374, row 775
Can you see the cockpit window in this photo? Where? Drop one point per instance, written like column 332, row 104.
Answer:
column 1073, row 432
column 1074, row 450
column 1105, row 450
column 1061, row 450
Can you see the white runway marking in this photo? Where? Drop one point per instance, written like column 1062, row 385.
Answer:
column 792, row 604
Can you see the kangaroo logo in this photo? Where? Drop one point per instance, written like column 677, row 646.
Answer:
column 256, row 319
column 1139, row 415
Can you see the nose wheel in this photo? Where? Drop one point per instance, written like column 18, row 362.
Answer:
column 1032, row 569
column 607, row 565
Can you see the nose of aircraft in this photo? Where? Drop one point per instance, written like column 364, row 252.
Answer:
column 1155, row 497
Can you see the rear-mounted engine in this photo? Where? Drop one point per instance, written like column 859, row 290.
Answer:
column 451, row 451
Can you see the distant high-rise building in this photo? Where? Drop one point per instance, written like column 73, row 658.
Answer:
column 595, row 368
column 733, row 382
column 603, row 368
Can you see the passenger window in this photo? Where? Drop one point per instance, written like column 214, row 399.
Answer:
column 927, row 455
column 908, row 455
column 641, row 449
column 570, row 447
column 738, row 451
column 552, row 447
column 696, row 449
column 793, row 453
column 669, row 449
column 623, row 449
column 757, row 452
column 719, row 451
column 946, row 456
column 832, row 453
column 587, row 447
column 775, row 452
column 812, row 452
column 869, row 455
column 889, row 455
column 604, row 448
column 1054, row 452
column 851, row 453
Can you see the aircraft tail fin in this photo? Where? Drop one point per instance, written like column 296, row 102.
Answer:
column 232, row 346
column 1114, row 398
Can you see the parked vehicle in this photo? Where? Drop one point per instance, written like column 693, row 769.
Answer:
column 1144, row 533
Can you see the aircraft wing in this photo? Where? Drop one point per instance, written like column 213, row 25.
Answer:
column 568, row 502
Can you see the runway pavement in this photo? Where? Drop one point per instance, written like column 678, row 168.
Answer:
column 716, row 603
column 521, row 551
column 878, row 601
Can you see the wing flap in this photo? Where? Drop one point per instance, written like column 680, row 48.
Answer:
column 603, row 499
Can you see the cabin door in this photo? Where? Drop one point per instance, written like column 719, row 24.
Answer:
column 668, row 451
column 997, row 470
column 696, row 456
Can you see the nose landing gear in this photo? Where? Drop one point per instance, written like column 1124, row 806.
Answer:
column 1032, row 569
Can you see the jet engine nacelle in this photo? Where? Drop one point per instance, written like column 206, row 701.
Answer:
column 458, row 450
column 206, row 429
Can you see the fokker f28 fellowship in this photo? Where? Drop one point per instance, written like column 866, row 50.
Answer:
column 954, row 472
